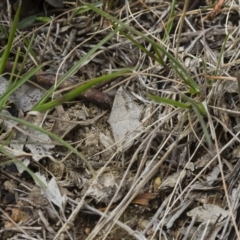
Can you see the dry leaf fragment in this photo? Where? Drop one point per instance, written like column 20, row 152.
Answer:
column 209, row 212
column 52, row 192
column 205, row 159
column 124, row 119
column 36, row 197
column 143, row 199
column 8, row 225
column 10, row 186
column 3, row 86
column 173, row 179
column 213, row 175
column 42, row 141
column 103, row 209
column 18, row 215
column 26, row 96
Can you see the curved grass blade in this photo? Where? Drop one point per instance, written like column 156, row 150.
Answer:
column 84, row 9
column 52, row 135
column 16, row 161
column 76, row 67
column 151, row 55
column 199, row 110
column 186, row 77
column 79, row 90
column 13, row 87
column 221, row 54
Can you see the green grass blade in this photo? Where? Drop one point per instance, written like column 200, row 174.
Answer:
column 17, row 161
column 13, row 28
column 79, row 90
column 12, row 76
column 13, row 87
column 186, row 80
column 176, row 64
column 84, row 9
column 170, row 102
column 199, row 110
column 30, row 52
column 76, row 67
column 43, row 19
column 51, row 135
column 4, row 98
column 221, row 54
column 158, row 59
column 170, row 21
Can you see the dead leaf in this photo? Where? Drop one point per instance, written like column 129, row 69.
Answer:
column 173, row 179
column 143, row 199
column 208, row 212
column 38, row 143
column 18, row 215
column 10, row 186
column 213, row 175
column 124, row 119
column 62, row 128
column 205, row 159
column 27, row 96
column 52, row 191
column 36, row 197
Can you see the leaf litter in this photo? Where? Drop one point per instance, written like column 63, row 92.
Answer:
column 125, row 120
column 155, row 176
